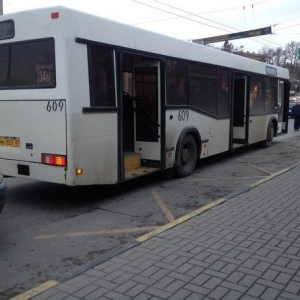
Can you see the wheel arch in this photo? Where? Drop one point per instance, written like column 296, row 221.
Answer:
column 195, row 133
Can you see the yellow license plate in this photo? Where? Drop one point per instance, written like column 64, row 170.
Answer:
column 8, row 141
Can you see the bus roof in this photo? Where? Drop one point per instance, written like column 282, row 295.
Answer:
column 75, row 24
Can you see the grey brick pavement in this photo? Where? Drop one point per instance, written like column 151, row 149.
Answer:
column 246, row 248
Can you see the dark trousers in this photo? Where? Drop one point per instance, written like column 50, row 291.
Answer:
column 296, row 122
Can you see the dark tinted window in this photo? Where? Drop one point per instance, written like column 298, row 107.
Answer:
column 199, row 69
column 224, row 93
column 102, row 76
column 204, row 93
column 177, row 90
column 27, row 65
column 7, row 30
column 257, row 97
column 204, row 88
column 271, row 95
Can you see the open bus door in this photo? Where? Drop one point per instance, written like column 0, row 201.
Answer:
column 147, row 116
column 240, row 120
column 141, row 116
column 282, row 106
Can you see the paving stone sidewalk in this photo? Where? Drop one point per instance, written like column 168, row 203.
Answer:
column 245, row 248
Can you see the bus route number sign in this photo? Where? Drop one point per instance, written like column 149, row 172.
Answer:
column 43, row 75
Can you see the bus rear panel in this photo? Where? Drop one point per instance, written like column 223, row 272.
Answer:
column 33, row 139
column 33, row 124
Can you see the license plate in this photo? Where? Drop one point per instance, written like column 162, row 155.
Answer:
column 8, row 141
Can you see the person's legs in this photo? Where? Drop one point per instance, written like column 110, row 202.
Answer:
column 297, row 123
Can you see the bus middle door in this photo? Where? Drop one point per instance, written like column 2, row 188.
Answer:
column 147, row 130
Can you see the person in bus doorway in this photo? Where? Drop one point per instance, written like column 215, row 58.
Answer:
column 296, row 115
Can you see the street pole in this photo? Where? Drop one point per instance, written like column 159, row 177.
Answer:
column 1, row 7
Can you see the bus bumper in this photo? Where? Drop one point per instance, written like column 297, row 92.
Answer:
column 36, row 171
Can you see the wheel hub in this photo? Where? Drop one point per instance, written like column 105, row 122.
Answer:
column 185, row 155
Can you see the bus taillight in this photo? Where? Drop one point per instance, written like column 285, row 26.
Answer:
column 54, row 159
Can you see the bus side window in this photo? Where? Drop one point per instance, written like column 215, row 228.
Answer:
column 101, row 76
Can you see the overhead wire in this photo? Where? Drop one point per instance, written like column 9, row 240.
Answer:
column 288, row 27
column 168, row 12
column 202, row 13
column 193, row 14
column 197, row 15
column 244, row 7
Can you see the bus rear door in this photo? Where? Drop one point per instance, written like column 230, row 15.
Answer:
column 240, row 122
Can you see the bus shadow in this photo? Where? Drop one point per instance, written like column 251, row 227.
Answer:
column 45, row 195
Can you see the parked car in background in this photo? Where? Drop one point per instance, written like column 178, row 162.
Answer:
column 293, row 99
column 3, row 193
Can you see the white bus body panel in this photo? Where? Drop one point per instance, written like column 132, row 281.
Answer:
column 215, row 135
column 39, row 131
column 95, row 146
column 258, row 127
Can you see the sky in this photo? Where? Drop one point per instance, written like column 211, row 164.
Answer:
column 192, row 19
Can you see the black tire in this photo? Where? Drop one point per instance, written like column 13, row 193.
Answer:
column 187, row 157
column 270, row 136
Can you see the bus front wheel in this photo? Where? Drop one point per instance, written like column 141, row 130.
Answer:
column 187, row 156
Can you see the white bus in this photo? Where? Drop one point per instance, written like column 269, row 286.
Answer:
column 85, row 100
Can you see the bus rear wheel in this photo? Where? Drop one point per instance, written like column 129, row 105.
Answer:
column 270, row 136
column 187, row 157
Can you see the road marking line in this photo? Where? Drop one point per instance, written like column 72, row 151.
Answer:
column 289, row 146
column 180, row 220
column 202, row 209
column 269, row 177
column 163, row 206
column 263, row 156
column 224, row 178
column 253, row 166
column 100, row 232
column 36, row 291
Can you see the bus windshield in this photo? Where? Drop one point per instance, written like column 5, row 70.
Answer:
column 27, row 65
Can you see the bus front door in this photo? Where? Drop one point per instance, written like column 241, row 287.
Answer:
column 240, row 126
column 147, row 131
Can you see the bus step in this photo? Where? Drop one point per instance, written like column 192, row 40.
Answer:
column 139, row 172
column 132, row 161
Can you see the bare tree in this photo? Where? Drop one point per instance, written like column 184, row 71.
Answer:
column 273, row 56
column 292, row 57
column 286, row 58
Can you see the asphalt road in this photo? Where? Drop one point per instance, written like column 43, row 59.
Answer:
column 47, row 230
